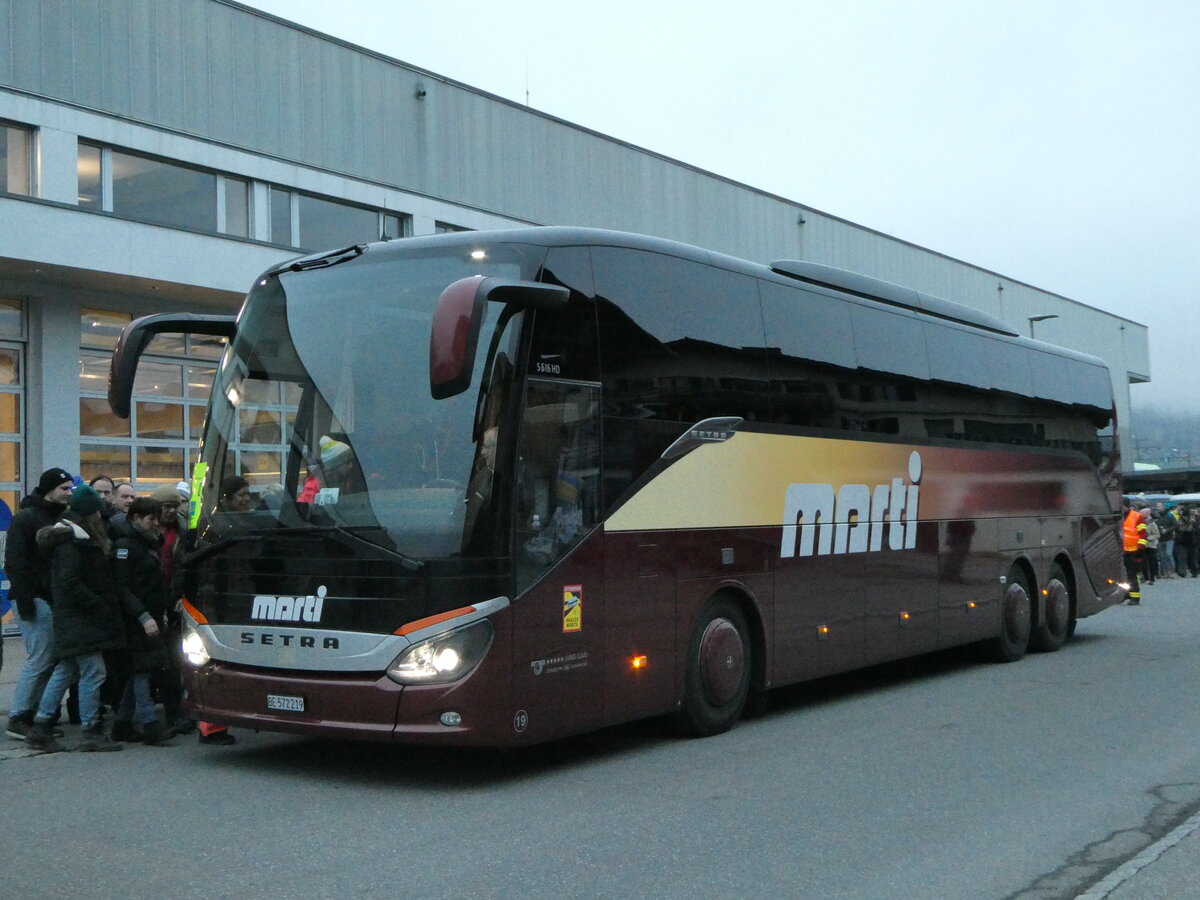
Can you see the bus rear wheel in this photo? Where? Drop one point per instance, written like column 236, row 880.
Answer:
column 1016, row 619
column 1056, row 624
column 719, row 663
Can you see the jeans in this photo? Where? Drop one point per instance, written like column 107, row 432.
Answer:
column 137, row 695
column 89, row 669
column 38, row 637
column 1166, row 556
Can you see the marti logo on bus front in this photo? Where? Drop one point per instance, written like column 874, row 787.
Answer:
column 815, row 523
column 289, row 609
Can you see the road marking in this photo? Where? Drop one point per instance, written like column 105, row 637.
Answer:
column 1122, row 874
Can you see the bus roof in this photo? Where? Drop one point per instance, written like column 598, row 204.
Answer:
column 843, row 282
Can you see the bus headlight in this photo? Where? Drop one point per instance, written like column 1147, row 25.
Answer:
column 445, row 658
column 193, row 648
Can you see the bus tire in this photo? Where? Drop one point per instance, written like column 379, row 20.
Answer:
column 1056, row 625
column 1016, row 619
column 719, row 663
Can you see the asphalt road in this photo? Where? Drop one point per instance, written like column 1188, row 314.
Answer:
column 940, row 778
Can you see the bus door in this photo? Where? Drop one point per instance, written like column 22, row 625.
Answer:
column 559, row 609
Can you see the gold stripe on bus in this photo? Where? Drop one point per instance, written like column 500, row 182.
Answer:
column 742, row 482
column 745, row 482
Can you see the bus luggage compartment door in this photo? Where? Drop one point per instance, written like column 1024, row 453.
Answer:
column 640, row 658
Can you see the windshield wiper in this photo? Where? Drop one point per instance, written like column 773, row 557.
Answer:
column 321, row 260
column 341, row 531
column 209, row 549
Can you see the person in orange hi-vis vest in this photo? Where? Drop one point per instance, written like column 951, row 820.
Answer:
column 1134, row 538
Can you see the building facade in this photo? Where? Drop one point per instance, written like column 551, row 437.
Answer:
column 156, row 155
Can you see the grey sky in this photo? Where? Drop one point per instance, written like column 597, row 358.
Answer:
column 1054, row 141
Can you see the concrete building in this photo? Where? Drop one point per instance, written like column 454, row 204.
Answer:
column 156, row 155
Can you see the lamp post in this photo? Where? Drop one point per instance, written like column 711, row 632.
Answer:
column 1042, row 318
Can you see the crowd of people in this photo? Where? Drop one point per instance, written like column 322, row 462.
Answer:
column 1160, row 541
column 92, row 573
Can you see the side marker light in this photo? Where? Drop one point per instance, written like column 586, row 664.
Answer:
column 638, row 663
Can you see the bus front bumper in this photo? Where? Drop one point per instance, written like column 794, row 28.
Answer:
column 347, row 706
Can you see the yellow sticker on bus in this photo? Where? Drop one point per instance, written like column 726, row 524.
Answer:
column 572, row 607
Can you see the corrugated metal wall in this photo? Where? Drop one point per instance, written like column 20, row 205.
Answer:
column 221, row 72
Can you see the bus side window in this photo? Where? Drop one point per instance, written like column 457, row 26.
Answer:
column 558, row 472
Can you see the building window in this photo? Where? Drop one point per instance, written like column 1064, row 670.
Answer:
column 91, row 185
column 154, row 191
column 148, row 189
column 12, row 403
column 447, row 228
column 319, row 223
column 233, row 206
column 15, row 170
column 163, row 192
column 158, row 443
column 395, row 226
column 326, row 223
column 12, row 319
column 100, row 328
column 281, row 217
column 266, row 416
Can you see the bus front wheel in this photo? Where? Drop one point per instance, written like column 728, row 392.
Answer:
column 1016, row 620
column 718, row 669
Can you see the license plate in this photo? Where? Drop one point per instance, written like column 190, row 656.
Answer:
column 284, row 702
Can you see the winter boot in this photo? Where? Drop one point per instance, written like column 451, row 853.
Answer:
column 92, row 738
column 123, row 731
column 154, row 734
column 73, row 705
column 41, row 737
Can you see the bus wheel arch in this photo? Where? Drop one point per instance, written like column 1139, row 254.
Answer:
column 1017, row 610
column 1056, row 618
column 720, row 665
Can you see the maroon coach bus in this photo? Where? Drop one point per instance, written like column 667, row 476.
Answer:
column 515, row 485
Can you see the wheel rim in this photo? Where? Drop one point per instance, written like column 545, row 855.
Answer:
column 722, row 661
column 1016, row 614
column 1058, row 607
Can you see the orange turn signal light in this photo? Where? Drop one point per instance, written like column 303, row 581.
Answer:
column 638, row 663
column 196, row 615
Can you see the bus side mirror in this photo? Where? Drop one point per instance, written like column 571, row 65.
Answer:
column 137, row 335
column 458, row 318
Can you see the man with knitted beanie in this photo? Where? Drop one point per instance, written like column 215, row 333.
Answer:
column 28, row 572
column 87, row 618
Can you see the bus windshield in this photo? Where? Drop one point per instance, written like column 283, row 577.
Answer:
column 322, row 415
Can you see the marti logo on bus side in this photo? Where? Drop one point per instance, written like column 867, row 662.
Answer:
column 855, row 522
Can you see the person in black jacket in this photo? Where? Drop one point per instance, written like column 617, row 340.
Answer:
column 87, row 618
column 140, row 581
column 28, row 572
